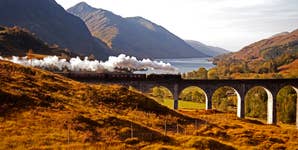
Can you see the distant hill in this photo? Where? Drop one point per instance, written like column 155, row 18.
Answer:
column 280, row 34
column 52, row 24
column 17, row 41
column 269, row 48
column 208, row 50
column 133, row 36
column 270, row 55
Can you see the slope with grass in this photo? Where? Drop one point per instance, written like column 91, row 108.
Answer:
column 39, row 109
column 188, row 105
column 290, row 70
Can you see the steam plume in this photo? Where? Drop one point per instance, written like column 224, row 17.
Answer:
column 122, row 62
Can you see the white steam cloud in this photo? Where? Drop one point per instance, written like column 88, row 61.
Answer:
column 122, row 62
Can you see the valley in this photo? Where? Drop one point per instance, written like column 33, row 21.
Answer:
column 69, row 114
column 155, row 75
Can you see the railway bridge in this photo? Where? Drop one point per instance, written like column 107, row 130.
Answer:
column 175, row 84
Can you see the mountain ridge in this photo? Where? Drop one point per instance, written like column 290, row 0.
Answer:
column 208, row 50
column 254, row 49
column 51, row 23
column 133, row 35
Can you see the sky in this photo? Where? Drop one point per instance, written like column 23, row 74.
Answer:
column 230, row 24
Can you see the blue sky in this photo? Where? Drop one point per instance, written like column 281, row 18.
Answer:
column 230, row 24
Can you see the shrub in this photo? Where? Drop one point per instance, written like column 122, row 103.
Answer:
column 207, row 143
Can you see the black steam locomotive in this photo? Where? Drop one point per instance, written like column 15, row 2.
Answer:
column 122, row 76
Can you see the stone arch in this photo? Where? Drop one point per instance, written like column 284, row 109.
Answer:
column 197, row 87
column 240, row 101
column 271, row 103
column 131, row 85
column 149, row 89
column 296, row 91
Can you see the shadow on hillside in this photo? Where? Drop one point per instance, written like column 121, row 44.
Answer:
column 104, row 128
column 10, row 104
column 123, row 99
column 252, row 121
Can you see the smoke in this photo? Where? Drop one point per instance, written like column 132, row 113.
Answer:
column 113, row 64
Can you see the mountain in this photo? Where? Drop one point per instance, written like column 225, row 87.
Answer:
column 52, row 24
column 272, row 55
column 133, row 36
column 17, row 41
column 208, row 50
column 270, row 47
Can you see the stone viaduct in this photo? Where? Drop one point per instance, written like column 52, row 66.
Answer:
column 177, row 85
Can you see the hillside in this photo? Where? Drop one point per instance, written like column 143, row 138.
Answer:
column 262, row 57
column 274, row 46
column 290, row 69
column 41, row 110
column 52, row 24
column 208, row 50
column 133, row 36
column 17, row 42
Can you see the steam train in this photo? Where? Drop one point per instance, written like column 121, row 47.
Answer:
column 122, row 76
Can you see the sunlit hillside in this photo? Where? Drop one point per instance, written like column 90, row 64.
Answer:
column 42, row 110
column 268, row 58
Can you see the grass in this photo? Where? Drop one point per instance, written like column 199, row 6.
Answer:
column 182, row 104
column 41, row 110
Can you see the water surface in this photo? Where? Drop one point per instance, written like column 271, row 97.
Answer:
column 184, row 64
